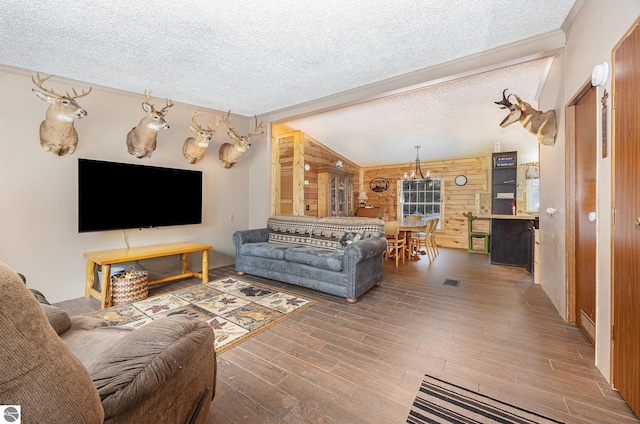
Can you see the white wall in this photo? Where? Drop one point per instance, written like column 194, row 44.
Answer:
column 590, row 40
column 552, row 193
column 38, row 190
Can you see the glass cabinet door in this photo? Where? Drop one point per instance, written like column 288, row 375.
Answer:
column 341, row 197
column 333, row 195
column 335, row 192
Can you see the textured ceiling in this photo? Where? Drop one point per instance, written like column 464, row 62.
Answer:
column 268, row 56
column 449, row 120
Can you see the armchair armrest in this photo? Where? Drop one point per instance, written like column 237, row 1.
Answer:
column 163, row 366
column 58, row 317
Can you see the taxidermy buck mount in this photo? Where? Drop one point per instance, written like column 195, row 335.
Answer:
column 542, row 125
column 230, row 153
column 57, row 133
column 141, row 140
column 194, row 148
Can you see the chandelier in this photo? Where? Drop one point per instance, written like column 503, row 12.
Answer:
column 416, row 174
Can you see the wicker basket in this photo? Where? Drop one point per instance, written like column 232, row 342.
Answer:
column 129, row 287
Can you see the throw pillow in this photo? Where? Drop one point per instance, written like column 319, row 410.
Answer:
column 349, row 237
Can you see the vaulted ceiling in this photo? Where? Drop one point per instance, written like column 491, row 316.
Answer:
column 369, row 79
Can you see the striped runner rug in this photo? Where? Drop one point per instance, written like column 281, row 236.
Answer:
column 442, row 402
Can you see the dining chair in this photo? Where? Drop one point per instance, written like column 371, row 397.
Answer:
column 432, row 245
column 417, row 238
column 395, row 240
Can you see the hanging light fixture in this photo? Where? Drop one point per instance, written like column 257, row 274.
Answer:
column 416, row 174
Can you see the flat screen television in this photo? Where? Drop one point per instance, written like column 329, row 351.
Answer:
column 117, row 196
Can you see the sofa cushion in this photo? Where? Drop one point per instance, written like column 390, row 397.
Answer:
column 316, row 257
column 291, row 229
column 266, row 249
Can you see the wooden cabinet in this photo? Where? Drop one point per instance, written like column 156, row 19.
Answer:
column 335, row 192
column 504, row 183
column 373, row 212
column 513, row 241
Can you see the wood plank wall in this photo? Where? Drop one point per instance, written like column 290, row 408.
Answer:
column 456, row 199
column 316, row 156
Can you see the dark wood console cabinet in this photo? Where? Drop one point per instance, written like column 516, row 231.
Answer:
column 513, row 241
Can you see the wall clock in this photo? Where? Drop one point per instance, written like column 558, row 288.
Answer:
column 461, row 180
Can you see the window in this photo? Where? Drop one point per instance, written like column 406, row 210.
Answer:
column 422, row 198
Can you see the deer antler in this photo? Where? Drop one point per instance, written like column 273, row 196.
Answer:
column 53, row 93
column 147, row 97
column 147, row 100
column 227, row 120
column 506, row 104
column 236, row 136
column 168, row 104
column 42, row 81
column 258, row 127
column 218, row 122
column 199, row 127
column 193, row 119
column 76, row 95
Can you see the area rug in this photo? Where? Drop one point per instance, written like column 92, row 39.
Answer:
column 236, row 310
column 442, row 402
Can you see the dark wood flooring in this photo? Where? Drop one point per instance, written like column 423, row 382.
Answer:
column 496, row 333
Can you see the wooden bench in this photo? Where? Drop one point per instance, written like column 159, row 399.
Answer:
column 106, row 258
column 476, row 234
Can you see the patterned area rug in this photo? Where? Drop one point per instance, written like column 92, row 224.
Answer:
column 442, row 402
column 235, row 309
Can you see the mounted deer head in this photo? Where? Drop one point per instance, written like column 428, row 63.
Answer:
column 57, row 133
column 542, row 125
column 230, row 153
column 194, row 148
column 141, row 140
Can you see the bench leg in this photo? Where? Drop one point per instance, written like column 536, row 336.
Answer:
column 90, row 277
column 205, row 266
column 105, row 289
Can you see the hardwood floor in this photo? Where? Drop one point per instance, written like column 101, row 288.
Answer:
column 495, row 332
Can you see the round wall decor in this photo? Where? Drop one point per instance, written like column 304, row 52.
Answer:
column 379, row 184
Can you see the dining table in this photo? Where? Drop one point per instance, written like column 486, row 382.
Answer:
column 407, row 226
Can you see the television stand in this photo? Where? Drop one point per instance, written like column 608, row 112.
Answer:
column 106, row 258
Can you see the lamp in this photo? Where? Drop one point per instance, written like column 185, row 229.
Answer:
column 418, row 170
column 362, row 197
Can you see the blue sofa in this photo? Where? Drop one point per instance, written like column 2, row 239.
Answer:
column 341, row 256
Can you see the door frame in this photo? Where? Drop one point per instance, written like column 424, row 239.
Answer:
column 570, row 207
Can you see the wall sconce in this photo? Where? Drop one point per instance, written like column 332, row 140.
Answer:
column 600, row 74
column 362, row 197
column 552, row 212
column 307, row 167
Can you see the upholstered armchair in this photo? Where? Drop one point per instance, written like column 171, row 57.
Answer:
column 82, row 370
